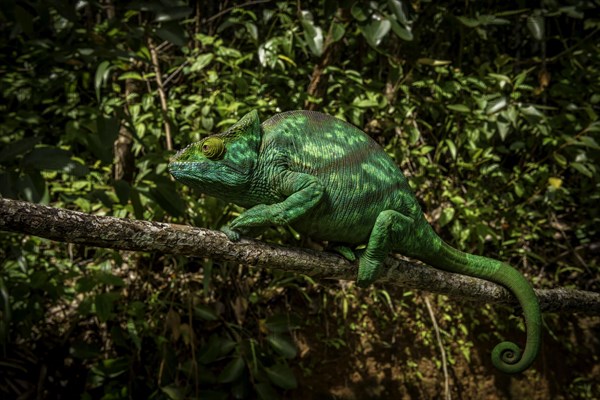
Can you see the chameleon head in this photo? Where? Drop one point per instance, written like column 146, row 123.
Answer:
column 221, row 164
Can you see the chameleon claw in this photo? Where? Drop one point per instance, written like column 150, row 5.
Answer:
column 232, row 235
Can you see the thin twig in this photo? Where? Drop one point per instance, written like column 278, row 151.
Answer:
column 442, row 351
column 161, row 93
column 177, row 71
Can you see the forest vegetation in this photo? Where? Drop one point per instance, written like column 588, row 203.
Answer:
column 490, row 109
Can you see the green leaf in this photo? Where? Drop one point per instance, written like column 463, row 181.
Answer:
column 102, row 73
column 519, row 190
column 109, row 279
column 312, row 33
column 451, row 148
column 281, row 375
column 583, row 169
column 266, row 392
column 173, row 33
column 232, row 371
column 282, row 323
column 496, row 105
column 560, row 159
column 173, row 392
column 12, row 150
column 205, row 313
column 589, row 141
column 33, row 187
column 201, row 61
column 358, row 12
column 470, row 22
column 398, row 10
column 131, row 75
column 503, row 128
column 375, row 30
column 447, row 216
column 104, row 304
column 535, row 24
column 114, row 367
column 433, row 62
column 459, row 107
column 400, row 31
column 282, row 346
column 215, row 348
column 173, row 14
column 337, row 31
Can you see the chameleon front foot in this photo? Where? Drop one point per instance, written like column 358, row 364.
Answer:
column 345, row 252
column 231, row 234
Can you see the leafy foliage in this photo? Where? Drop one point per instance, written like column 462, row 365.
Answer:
column 490, row 109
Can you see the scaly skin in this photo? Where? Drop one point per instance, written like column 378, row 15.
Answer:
column 330, row 181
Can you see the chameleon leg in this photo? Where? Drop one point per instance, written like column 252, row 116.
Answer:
column 389, row 227
column 303, row 192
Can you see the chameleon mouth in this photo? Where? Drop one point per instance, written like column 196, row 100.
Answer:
column 182, row 170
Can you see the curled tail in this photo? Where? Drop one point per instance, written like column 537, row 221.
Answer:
column 506, row 356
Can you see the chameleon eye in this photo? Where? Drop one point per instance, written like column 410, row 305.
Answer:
column 213, row 148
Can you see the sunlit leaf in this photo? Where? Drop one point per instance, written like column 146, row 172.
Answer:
column 375, row 30
column 496, row 105
column 402, row 32
column 535, row 24
column 398, row 9
column 458, row 107
column 433, row 62
column 201, row 61
column 447, row 216
column 312, row 33
column 102, row 73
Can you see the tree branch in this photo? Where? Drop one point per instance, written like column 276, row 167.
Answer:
column 125, row 234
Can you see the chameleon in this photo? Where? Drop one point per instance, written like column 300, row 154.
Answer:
column 330, row 181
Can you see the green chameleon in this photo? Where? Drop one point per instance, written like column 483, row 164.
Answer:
column 329, row 180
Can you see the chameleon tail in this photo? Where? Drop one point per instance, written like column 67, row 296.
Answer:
column 506, row 356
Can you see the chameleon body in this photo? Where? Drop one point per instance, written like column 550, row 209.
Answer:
column 329, row 180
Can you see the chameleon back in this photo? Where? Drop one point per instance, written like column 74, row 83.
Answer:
column 360, row 179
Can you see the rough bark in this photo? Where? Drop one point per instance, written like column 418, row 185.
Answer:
column 126, row 234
